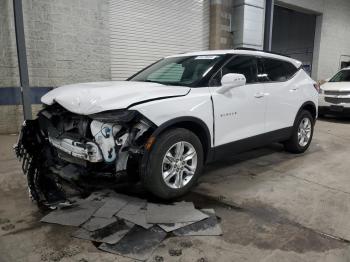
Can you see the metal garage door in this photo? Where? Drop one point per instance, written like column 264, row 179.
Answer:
column 143, row 31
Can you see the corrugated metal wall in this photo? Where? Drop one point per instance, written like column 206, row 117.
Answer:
column 143, row 31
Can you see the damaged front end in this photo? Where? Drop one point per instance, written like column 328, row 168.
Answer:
column 62, row 148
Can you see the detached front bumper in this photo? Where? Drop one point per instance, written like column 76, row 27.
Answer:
column 30, row 149
column 101, row 146
column 28, row 145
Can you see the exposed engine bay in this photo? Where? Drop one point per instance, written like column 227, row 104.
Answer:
column 60, row 147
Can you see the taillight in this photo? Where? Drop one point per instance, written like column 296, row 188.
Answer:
column 317, row 87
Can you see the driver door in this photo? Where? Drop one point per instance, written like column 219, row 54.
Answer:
column 240, row 112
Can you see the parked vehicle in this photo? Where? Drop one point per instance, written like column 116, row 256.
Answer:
column 335, row 94
column 167, row 121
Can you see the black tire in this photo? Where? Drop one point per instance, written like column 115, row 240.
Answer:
column 292, row 145
column 152, row 176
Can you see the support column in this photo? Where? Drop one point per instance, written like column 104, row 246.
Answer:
column 22, row 59
column 269, row 9
column 220, row 24
column 248, row 22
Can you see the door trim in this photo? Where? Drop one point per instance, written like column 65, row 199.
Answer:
column 246, row 144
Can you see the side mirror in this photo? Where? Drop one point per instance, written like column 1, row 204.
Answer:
column 230, row 81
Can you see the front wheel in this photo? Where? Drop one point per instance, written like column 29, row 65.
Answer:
column 302, row 133
column 175, row 162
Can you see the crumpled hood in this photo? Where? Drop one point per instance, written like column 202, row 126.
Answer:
column 91, row 98
column 336, row 86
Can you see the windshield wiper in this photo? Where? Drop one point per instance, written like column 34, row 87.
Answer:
column 151, row 81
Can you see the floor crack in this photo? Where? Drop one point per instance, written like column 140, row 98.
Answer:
column 319, row 184
column 326, row 132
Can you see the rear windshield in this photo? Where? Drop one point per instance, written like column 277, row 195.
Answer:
column 178, row 71
column 341, row 76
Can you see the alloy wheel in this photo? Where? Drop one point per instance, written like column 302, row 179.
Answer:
column 179, row 165
column 304, row 132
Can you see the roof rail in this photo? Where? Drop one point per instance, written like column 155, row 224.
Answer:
column 246, row 48
column 253, row 49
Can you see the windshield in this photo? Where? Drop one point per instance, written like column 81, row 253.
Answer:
column 182, row 70
column 341, row 76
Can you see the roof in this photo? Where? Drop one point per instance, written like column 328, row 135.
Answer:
column 295, row 62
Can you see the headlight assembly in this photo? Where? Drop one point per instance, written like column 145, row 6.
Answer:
column 115, row 116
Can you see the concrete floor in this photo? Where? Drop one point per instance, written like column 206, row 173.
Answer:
column 273, row 207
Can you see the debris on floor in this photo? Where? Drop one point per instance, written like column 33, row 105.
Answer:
column 138, row 244
column 96, row 223
column 110, row 207
column 135, row 212
column 173, row 226
column 207, row 227
column 110, row 234
column 130, row 226
column 178, row 212
column 74, row 215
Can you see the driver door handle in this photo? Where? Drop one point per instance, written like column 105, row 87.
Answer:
column 259, row 95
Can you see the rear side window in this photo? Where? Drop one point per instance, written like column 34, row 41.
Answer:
column 278, row 71
column 245, row 65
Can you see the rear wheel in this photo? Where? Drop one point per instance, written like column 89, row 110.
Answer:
column 175, row 162
column 302, row 133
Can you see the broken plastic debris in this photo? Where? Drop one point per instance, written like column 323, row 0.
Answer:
column 110, row 207
column 110, row 218
column 110, row 234
column 176, row 213
column 96, row 223
column 138, row 244
column 74, row 216
column 207, row 227
column 135, row 212
column 173, row 226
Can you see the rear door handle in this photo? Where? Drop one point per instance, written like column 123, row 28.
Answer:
column 294, row 89
column 259, row 95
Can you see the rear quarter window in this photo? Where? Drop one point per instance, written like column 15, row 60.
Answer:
column 278, row 70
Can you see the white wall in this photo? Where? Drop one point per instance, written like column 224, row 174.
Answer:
column 142, row 32
column 332, row 37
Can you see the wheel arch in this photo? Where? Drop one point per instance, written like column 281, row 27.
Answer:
column 308, row 106
column 195, row 125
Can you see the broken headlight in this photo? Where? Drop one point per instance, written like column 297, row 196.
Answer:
column 115, row 116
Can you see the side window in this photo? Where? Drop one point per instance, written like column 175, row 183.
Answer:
column 277, row 70
column 245, row 65
column 291, row 69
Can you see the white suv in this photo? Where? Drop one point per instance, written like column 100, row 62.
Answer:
column 165, row 122
column 335, row 94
